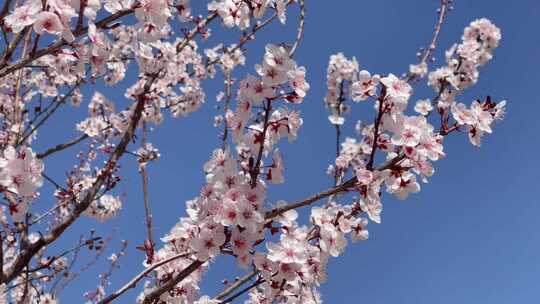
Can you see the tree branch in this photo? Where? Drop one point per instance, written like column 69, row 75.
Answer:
column 236, row 285
column 133, row 282
column 61, row 147
column 429, row 51
column 158, row 291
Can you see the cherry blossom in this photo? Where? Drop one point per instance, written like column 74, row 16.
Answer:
column 365, row 86
column 423, row 107
column 48, row 22
column 20, row 171
column 23, row 16
column 106, row 207
column 398, row 91
column 158, row 55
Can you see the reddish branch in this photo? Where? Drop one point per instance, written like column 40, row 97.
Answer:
column 433, row 44
column 377, row 125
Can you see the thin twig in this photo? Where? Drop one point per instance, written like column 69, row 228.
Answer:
column 61, row 147
column 301, row 26
column 146, row 199
column 336, row 189
column 433, row 44
column 241, row 292
column 236, row 285
column 228, row 97
column 133, row 282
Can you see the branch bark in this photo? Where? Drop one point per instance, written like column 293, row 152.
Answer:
column 158, row 291
column 133, row 282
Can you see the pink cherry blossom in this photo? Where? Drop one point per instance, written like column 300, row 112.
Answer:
column 20, row 171
column 48, row 22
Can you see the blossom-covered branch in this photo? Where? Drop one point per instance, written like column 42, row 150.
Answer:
column 57, row 52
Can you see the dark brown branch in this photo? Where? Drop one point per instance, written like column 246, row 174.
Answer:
column 334, row 190
column 61, row 147
column 13, row 45
column 243, row 291
column 196, row 30
column 158, row 291
column 377, row 124
column 133, row 282
column 255, row 170
column 236, row 285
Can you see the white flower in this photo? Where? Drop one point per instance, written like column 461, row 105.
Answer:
column 48, row 22
column 20, row 172
column 332, row 241
column 278, row 57
column 275, row 172
column 297, row 80
column 106, row 207
column 287, row 218
column 336, row 119
column 396, row 88
column 23, row 16
column 206, row 300
column 365, row 87
column 418, row 70
column 423, row 107
column 401, row 185
column 207, row 244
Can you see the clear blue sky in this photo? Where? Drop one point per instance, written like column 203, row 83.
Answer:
column 471, row 234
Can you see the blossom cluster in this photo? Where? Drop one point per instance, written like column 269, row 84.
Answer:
column 479, row 40
column 69, row 44
column 411, row 142
column 237, row 13
column 344, row 80
column 229, row 216
column 232, row 214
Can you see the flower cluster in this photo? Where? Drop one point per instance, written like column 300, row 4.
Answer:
column 147, row 153
column 55, row 21
column 228, row 216
column 237, row 13
column 344, row 80
column 478, row 119
column 296, row 266
column 280, row 78
column 20, row 171
column 412, row 143
column 479, row 40
column 64, row 45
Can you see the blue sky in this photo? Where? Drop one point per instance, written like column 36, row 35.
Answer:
column 470, row 235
